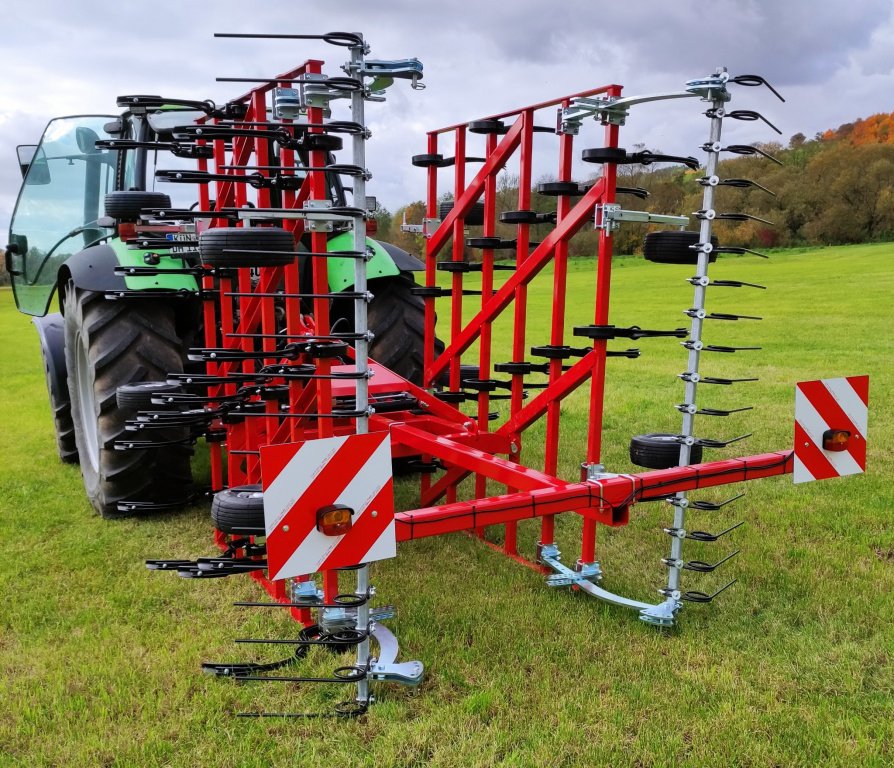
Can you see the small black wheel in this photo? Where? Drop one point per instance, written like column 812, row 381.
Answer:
column 519, row 217
column 138, row 397
column 488, row 126
column 673, row 247
column 322, row 142
column 239, row 510
column 127, row 205
column 604, row 155
column 235, row 246
column 474, row 218
column 660, row 450
column 558, row 188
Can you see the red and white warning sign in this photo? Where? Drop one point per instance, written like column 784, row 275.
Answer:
column 328, row 503
column 830, row 428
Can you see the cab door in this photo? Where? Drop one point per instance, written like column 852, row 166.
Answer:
column 60, row 201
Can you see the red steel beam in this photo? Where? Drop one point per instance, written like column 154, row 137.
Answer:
column 457, row 454
column 524, row 274
column 606, row 502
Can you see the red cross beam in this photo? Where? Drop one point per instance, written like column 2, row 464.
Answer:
column 830, row 428
column 328, row 503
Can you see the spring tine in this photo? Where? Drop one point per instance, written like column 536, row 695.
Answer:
column 720, row 412
column 701, row 567
column 711, row 443
column 713, row 506
column 755, row 80
column 695, row 596
column 750, row 115
column 732, row 283
column 706, row 537
column 747, row 149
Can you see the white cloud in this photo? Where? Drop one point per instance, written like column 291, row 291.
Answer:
column 832, row 63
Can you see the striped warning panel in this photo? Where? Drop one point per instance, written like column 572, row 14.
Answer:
column 830, row 404
column 301, row 478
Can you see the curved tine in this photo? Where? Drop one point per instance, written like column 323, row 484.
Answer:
column 746, row 183
column 750, row 115
column 747, row 149
column 754, row 80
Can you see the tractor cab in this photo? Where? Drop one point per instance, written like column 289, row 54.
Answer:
column 59, row 211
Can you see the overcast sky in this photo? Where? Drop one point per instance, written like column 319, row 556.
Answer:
column 833, row 61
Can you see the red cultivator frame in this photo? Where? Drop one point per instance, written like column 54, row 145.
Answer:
column 291, row 402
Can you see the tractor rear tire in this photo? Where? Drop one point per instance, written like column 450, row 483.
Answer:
column 239, row 510
column 109, row 344
column 397, row 318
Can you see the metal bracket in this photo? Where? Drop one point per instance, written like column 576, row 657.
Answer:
column 306, row 591
column 661, row 615
column 610, row 216
column 426, row 228
column 609, row 110
column 565, row 577
column 332, row 619
column 385, row 668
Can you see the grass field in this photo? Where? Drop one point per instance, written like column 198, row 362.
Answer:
column 793, row 666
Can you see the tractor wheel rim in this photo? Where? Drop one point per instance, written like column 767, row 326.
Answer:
column 85, row 405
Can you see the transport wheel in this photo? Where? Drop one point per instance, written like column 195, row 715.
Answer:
column 239, row 510
column 229, row 246
column 108, row 344
column 397, row 318
column 672, row 247
column 604, row 155
column 126, row 205
column 138, row 397
column 50, row 330
column 660, row 450
column 474, row 218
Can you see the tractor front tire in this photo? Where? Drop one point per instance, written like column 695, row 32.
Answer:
column 109, row 344
column 50, row 331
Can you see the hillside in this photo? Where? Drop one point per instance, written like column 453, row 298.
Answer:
column 834, row 189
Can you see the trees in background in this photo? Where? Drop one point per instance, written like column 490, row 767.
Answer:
column 836, row 188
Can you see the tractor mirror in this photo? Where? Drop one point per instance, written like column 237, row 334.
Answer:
column 86, row 138
column 33, row 164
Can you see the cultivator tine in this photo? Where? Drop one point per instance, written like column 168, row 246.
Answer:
column 702, row 536
column 755, row 80
column 700, row 566
column 692, row 408
column 694, row 596
column 708, row 442
column 713, row 506
column 729, row 283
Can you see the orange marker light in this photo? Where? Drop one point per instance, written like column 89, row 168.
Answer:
column 334, row 520
column 836, row 439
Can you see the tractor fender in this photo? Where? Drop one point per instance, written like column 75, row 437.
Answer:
column 403, row 260
column 92, row 269
column 51, row 333
column 386, row 260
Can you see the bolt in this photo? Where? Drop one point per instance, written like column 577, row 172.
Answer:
column 285, row 529
column 375, row 513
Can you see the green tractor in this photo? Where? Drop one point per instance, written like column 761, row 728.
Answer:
column 85, row 186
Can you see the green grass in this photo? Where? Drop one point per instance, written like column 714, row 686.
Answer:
column 794, row 666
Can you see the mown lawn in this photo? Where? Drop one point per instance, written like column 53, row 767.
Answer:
column 793, row 666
